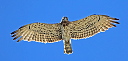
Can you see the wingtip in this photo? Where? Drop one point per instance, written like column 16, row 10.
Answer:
column 14, row 38
column 18, row 41
column 117, row 22
column 114, row 25
column 116, row 19
column 13, row 35
column 13, row 32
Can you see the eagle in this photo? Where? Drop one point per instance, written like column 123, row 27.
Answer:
column 65, row 30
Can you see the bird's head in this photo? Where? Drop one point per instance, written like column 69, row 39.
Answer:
column 64, row 19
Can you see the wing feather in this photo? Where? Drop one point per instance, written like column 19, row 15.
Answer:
column 90, row 26
column 39, row 32
column 30, row 36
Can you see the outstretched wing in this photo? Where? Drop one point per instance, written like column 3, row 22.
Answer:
column 39, row 32
column 90, row 26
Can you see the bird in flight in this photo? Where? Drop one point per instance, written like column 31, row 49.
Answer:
column 65, row 30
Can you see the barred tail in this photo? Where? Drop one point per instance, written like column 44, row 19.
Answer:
column 67, row 47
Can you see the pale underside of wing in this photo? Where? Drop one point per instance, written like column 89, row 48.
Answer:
column 39, row 32
column 90, row 26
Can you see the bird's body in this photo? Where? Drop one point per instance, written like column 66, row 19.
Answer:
column 65, row 30
column 65, row 36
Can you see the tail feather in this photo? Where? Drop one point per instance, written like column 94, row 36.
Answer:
column 67, row 47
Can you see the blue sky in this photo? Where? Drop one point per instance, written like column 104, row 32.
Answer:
column 111, row 45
